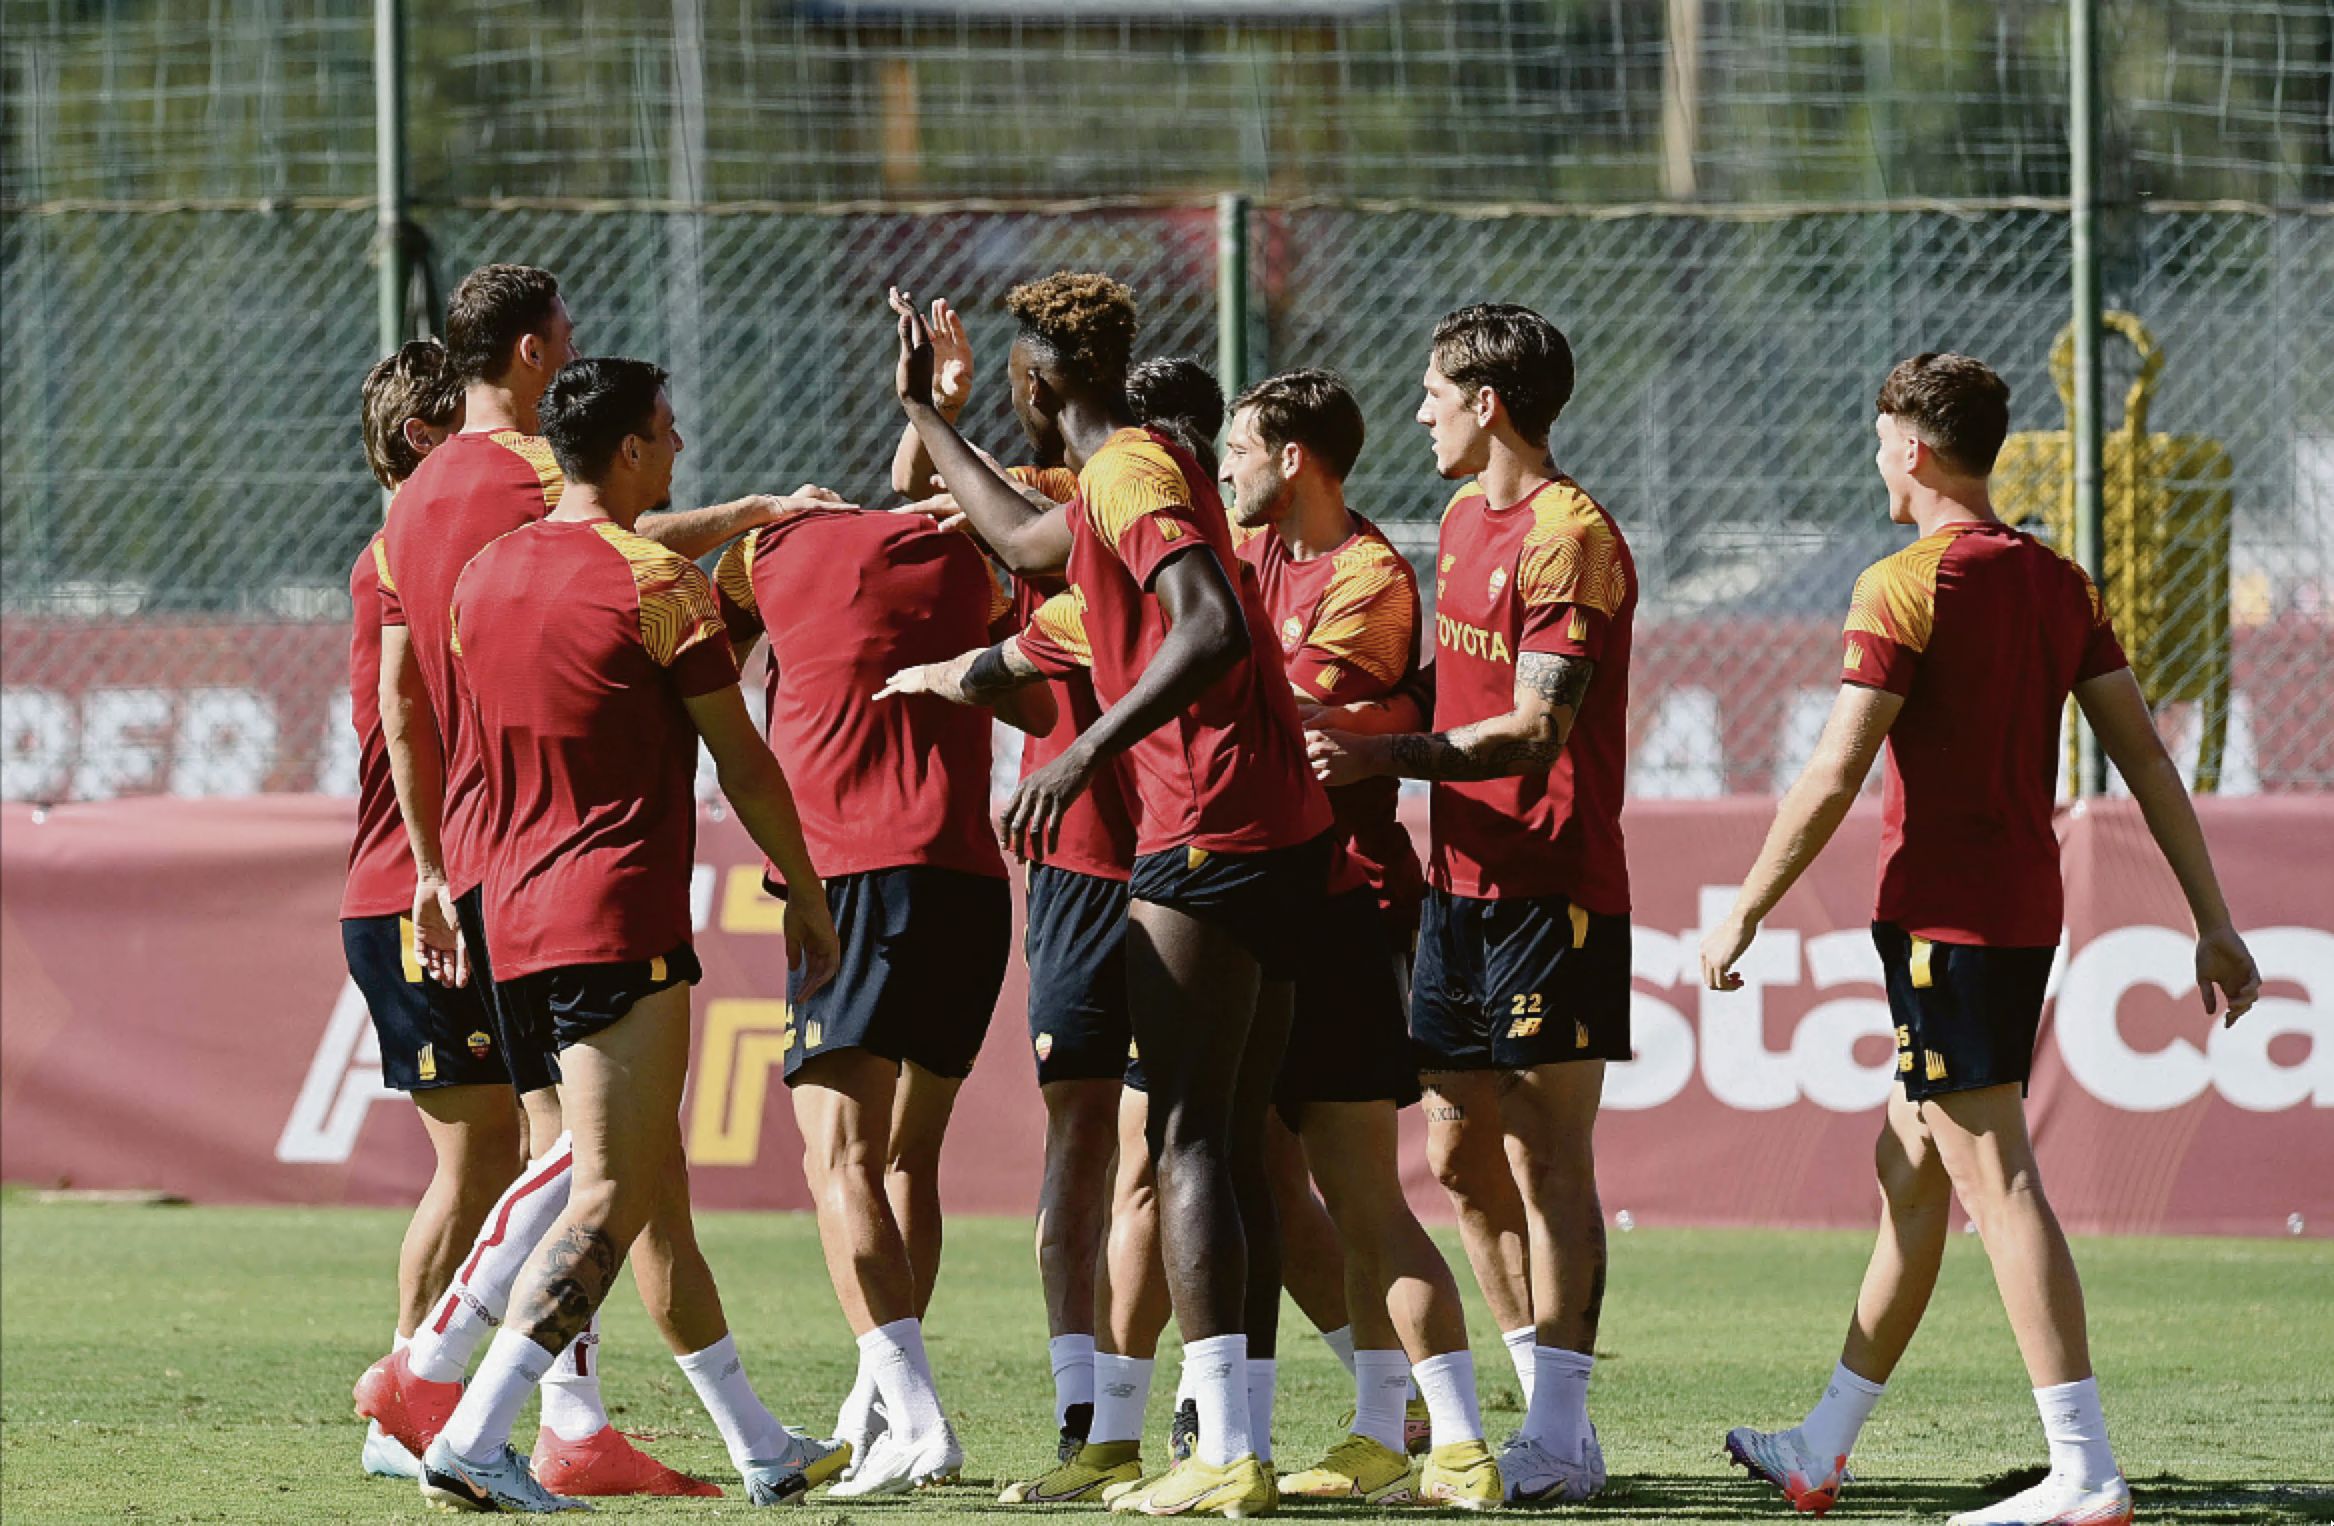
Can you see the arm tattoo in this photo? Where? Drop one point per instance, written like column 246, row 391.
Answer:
column 1488, row 749
column 579, row 1268
column 995, row 673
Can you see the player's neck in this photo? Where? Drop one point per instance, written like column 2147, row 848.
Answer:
column 1955, row 501
column 583, row 503
column 488, row 407
column 1318, row 525
column 1514, row 472
column 1087, row 426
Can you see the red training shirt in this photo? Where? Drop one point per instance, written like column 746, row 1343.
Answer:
column 1984, row 631
column 1551, row 574
column 1347, row 623
column 578, row 643
column 1229, row 774
column 464, row 494
column 1098, row 830
column 380, row 860
column 849, row 599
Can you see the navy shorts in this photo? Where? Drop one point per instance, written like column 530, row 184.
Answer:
column 528, row 1053
column 1269, row 902
column 1075, row 945
column 1519, row 982
column 1350, row 1041
column 1966, row 1016
column 558, row 1007
column 431, row 1035
column 924, row 953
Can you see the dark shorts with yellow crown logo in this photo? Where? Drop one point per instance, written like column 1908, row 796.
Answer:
column 531, row 1051
column 1268, row 902
column 1075, row 946
column 1966, row 1016
column 1350, row 1037
column 924, row 953
column 1518, row 982
column 557, row 1008
column 430, row 1035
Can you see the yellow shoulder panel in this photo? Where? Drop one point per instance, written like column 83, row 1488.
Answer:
column 735, row 571
column 676, row 603
column 1571, row 555
column 1128, row 478
column 1470, row 490
column 1057, row 482
column 1896, row 598
column 1062, row 621
column 1365, row 620
column 381, row 563
column 536, row 452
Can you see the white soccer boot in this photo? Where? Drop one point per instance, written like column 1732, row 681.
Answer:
column 900, row 1463
column 1535, row 1475
column 2057, row 1501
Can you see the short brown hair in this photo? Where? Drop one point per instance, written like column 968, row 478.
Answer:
column 418, row 382
column 1955, row 404
column 1086, row 322
column 490, row 311
column 1517, row 354
column 1312, row 408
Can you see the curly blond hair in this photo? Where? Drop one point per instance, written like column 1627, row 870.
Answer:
column 1084, row 320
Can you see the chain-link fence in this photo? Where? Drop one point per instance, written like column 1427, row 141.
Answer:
column 1732, row 206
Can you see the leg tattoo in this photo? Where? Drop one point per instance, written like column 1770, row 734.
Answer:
column 580, row 1266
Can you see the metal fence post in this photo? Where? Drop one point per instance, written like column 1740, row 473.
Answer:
column 1232, row 293
column 389, row 172
column 2083, row 163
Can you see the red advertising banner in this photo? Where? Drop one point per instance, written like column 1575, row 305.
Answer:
column 177, row 1016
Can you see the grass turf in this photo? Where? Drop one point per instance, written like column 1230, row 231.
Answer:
column 177, row 1364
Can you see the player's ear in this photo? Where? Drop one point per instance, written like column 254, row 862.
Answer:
column 1486, row 406
column 530, row 351
column 417, row 435
column 1292, row 459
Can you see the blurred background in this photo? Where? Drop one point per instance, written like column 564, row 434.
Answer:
column 1741, row 211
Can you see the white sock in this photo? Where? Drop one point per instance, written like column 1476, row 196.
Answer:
column 480, row 1426
column 1448, row 1381
column 1521, row 1344
column 903, row 1376
column 1381, row 1387
column 859, row 1400
column 398, row 1343
column 571, row 1389
column 1558, row 1417
column 1216, row 1370
column 1263, row 1378
column 1831, row 1428
column 461, row 1319
column 1072, row 1357
column 1340, row 1344
column 2077, row 1429
column 748, row 1429
column 1122, row 1391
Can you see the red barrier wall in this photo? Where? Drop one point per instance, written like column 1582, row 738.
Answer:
column 176, row 1015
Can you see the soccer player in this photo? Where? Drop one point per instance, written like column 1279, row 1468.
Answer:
column 894, row 799
column 1521, row 994
column 1961, row 650
column 437, row 1041
column 508, row 333
column 594, row 661
column 1231, row 831
column 1344, row 604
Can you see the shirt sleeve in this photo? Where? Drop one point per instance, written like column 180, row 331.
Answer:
column 2102, row 652
column 1363, row 633
column 1889, row 622
column 1140, row 508
column 1571, row 582
column 733, row 586
column 1057, row 482
column 392, row 604
column 681, row 627
column 1055, row 638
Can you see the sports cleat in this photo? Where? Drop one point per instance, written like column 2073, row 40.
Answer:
column 607, row 1463
column 859, row 1425
column 2057, row 1501
column 1463, row 1474
column 897, row 1464
column 452, row 1483
column 383, row 1457
column 1534, row 1475
column 1782, row 1459
column 813, row 1460
column 1077, row 1421
column 1243, row 1488
column 1183, row 1432
column 1097, row 1467
column 410, row 1411
column 1357, row 1468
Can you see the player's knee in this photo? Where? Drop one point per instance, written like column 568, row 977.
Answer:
column 1910, row 1182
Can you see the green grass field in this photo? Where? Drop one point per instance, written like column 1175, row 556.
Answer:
column 189, row 1364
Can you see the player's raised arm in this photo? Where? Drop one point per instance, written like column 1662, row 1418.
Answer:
column 2118, row 713
column 1810, row 811
column 417, row 765
column 1027, row 540
column 757, row 789
column 952, row 376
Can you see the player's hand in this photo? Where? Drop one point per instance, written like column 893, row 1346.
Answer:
column 1032, row 824
column 2222, row 960
column 941, row 508
column 437, row 935
column 1340, row 757
column 1722, row 947
column 913, row 379
column 924, row 678
column 811, row 944
column 952, row 358
column 811, row 496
